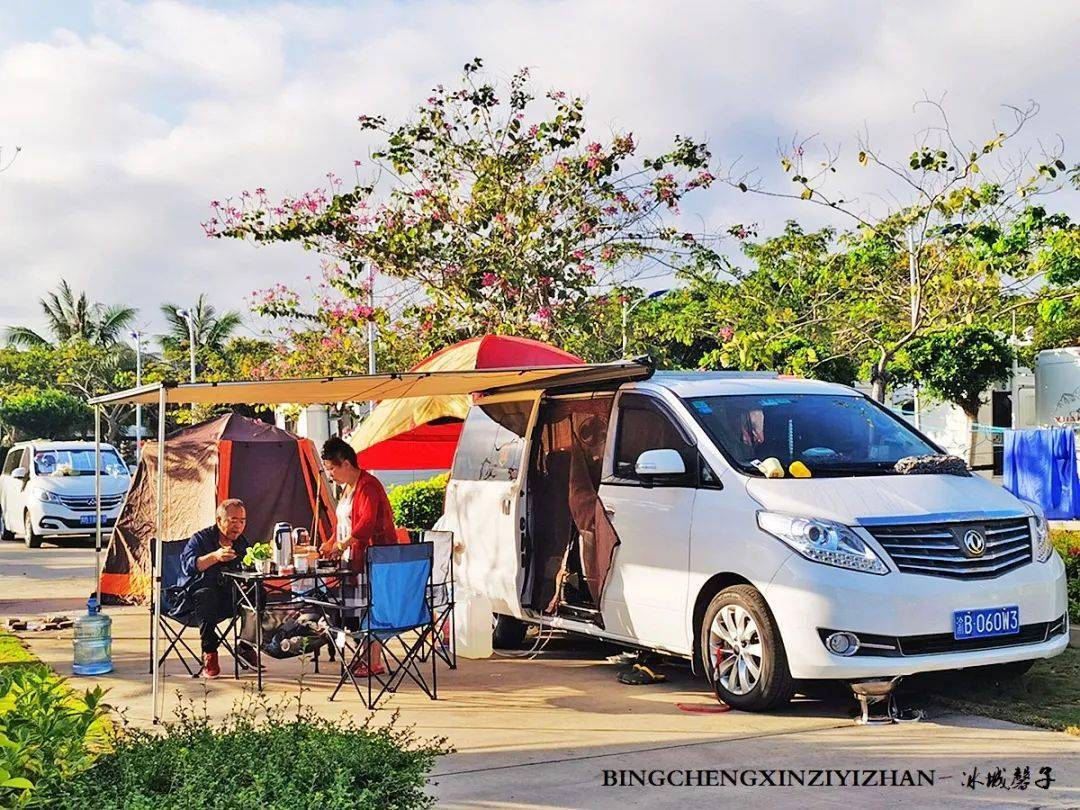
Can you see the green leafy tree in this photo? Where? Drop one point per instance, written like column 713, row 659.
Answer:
column 497, row 216
column 958, row 365
column 46, row 414
column 961, row 243
column 74, row 317
column 212, row 330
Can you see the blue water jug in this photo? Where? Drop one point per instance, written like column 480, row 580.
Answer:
column 93, row 641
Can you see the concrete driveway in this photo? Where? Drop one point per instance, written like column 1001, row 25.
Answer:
column 559, row 731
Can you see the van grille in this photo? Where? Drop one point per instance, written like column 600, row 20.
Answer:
column 938, row 549
column 89, row 504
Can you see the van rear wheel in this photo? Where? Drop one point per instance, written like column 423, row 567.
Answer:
column 6, row 534
column 743, row 654
column 507, row 632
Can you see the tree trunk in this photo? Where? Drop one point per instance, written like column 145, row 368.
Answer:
column 879, row 377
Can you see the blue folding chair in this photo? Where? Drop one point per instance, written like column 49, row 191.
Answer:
column 178, row 614
column 398, row 607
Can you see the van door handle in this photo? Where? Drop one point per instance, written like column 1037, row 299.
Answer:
column 506, row 505
column 609, row 511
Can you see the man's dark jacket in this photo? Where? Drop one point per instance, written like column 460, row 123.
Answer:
column 202, row 543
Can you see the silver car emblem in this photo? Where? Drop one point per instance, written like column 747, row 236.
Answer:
column 974, row 542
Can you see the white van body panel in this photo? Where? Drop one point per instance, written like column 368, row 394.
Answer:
column 645, row 595
column 484, row 515
column 904, row 497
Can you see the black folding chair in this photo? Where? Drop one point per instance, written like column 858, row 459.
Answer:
column 397, row 608
column 178, row 614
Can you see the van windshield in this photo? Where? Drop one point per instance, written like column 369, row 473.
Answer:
column 77, row 462
column 830, row 434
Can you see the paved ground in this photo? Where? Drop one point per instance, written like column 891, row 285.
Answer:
column 542, row 733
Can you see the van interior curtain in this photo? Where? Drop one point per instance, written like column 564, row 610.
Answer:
column 572, row 539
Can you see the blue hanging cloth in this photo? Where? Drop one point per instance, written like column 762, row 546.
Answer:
column 1040, row 466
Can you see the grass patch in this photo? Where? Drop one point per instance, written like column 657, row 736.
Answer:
column 262, row 754
column 1048, row 696
column 13, row 651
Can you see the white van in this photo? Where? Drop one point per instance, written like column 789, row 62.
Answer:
column 639, row 513
column 47, row 490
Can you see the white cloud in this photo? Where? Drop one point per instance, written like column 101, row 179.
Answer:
column 132, row 121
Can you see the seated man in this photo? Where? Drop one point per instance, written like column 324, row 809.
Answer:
column 208, row 553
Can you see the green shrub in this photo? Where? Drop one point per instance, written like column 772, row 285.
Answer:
column 48, row 733
column 419, row 504
column 1068, row 545
column 260, row 755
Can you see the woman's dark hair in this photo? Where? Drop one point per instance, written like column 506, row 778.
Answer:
column 337, row 450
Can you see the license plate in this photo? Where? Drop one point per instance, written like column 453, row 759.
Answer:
column 999, row 621
column 87, row 520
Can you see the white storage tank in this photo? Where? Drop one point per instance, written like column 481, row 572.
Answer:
column 1057, row 387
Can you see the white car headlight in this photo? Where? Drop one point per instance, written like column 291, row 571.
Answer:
column 1041, row 546
column 44, row 495
column 823, row 541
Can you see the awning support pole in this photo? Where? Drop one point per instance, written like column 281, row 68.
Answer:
column 158, row 545
column 97, row 501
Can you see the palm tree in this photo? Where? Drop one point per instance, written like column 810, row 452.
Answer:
column 70, row 317
column 212, row 330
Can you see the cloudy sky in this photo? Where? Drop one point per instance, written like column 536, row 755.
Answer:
column 133, row 115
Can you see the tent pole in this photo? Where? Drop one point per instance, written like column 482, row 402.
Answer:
column 155, row 645
column 97, row 500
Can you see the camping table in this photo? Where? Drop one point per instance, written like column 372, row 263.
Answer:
column 254, row 592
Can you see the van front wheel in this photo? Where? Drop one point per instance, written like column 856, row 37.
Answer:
column 743, row 653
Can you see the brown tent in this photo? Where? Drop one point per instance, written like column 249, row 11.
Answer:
column 276, row 474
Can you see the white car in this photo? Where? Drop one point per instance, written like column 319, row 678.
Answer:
column 47, row 490
column 854, row 572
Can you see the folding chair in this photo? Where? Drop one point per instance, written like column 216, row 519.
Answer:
column 442, row 594
column 178, row 614
column 398, row 608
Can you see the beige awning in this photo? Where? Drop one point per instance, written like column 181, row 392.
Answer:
column 379, row 386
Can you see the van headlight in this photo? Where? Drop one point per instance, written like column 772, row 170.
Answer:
column 1041, row 545
column 44, row 495
column 823, row 541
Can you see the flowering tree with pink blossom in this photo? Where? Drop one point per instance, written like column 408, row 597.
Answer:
column 494, row 211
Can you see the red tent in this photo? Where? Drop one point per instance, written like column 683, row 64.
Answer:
column 421, row 433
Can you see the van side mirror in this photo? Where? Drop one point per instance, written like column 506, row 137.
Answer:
column 19, row 474
column 660, row 462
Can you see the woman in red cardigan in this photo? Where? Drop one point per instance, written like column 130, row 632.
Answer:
column 364, row 519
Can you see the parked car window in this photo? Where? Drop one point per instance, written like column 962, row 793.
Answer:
column 65, row 462
column 491, row 443
column 643, row 425
column 14, row 458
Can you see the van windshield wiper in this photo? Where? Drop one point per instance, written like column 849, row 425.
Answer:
column 860, row 468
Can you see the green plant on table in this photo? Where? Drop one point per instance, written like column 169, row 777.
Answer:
column 259, row 552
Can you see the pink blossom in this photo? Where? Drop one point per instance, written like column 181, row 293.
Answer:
column 726, row 333
column 592, row 163
column 533, row 130
column 594, row 148
column 544, row 313
column 489, row 280
column 578, row 255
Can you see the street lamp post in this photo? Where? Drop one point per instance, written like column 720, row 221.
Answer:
column 187, row 316
column 627, row 309
column 137, row 337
